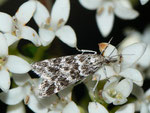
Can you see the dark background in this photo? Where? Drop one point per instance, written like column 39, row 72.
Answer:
column 84, row 24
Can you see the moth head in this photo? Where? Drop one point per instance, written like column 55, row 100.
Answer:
column 109, row 53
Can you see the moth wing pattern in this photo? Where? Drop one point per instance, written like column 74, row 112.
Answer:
column 58, row 73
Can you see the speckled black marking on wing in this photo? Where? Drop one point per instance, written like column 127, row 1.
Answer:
column 59, row 73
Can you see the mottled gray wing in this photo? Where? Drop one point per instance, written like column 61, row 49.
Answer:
column 59, row 73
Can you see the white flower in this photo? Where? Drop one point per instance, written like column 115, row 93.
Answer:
column 128, row 108
column 9, row 63
column 135, row 36
column 54, row 25
column 65, row 103
column 14, row 27
column 95, row 107
column 27, row 91
column 106, row 10
column 18, row 108
column 71, row 107
column 116, row 91
column 123, row 68
column 143, row 99
column 143, row 2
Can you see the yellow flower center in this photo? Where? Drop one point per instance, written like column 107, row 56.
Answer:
column 114, row 94
column 2, row 62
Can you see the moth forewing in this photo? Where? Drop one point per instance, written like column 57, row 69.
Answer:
column 58, row 73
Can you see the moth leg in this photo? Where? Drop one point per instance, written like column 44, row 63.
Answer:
column 58, row 96
column 79, row 82
column 95, row 86
column 85, row 51
column 104, row 70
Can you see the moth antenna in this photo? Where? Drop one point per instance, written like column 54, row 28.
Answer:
column 85, row 51
column 112, row 52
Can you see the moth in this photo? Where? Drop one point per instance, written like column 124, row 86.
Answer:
column 58, row 73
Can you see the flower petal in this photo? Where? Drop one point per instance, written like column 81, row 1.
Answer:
column 41, row 15
column 105, row 73
column 113, row 81
column 95, row 107
column 47, row 101
column 143, row 2
column 16, row 64
column 6, row 22
column 67, row 35
column 133, row 75
column 35, row 106
column 55, row 111
column 30, row 34
column 144, row 61
column 21, row 79
column 25, row 12
column 3, row 46
column 144, row 108
column 146, row 34
column 138, row 92
column 10, row 38
column 147, row 93
column 105, row 18
column 60, row 12
column 132, row 37
column 71, row 108
column 125, row 87
column 125, row 12
column 5, row 80
column 18, row 108
column 66, row 94
column 90, row 4
column 9, row 97
column 128, row 108
column 130, row 54
column 46, row 36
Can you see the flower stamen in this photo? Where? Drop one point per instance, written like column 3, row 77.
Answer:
column 100, row 10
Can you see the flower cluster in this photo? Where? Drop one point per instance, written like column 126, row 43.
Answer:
column 120, row 76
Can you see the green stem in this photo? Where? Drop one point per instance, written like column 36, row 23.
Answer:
column 40, row 52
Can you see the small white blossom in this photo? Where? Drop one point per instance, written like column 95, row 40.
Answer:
column 27, row 91
column 116, row 91
column 18, row 108
column 128, row 108
column 142, row 103
column 14, row 27
column 143, row 2
column 54, row 25
column 64, row 104
column 9, row 63
column 135, row 36
column 123, row 68
column 95, row 107
column 106, row 10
